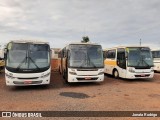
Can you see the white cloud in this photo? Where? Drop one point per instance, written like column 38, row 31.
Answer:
column 109, row 22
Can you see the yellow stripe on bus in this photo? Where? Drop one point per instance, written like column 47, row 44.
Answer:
column 109, row 62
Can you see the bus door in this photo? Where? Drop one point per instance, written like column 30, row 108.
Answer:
column 121, row 62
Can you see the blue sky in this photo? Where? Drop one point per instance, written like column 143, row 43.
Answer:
column 107, row 22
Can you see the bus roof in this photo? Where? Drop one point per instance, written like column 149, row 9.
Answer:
column 29, row 41
column 81, row 43
column 155, row 50
column 123, row 47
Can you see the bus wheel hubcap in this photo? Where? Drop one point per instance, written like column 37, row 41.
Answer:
column 116, row 74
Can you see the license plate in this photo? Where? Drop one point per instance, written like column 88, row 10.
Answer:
column 143, row 75
column 27, row 82
column 87, row 78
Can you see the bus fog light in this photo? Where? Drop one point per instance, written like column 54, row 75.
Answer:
column 131, row 70
column 72, row 73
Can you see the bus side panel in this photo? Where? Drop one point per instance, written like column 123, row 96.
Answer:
column 110, row 64
column 157, row 64
column 122, row 72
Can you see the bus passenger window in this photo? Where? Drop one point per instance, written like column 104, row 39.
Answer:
column 111, row 54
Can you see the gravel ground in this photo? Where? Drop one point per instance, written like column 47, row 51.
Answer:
column 111, row 95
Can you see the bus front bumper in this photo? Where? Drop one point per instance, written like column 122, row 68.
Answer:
column 18, row 79
column 26, row 82
column 140, row 75
column 75, row 78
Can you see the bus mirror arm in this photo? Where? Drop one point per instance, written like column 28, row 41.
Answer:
column 117, row 62
column 126, row 55
column 5, row 53
column 68, row 52
column 51, row 54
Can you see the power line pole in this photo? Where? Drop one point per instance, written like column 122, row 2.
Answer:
column 140, row 42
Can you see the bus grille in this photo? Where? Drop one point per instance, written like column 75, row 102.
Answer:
column 87, row 69
column 29, row 78
column 147, row 75
column 23, row 83
column 94, row 78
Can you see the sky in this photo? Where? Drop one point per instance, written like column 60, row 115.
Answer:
column 107, row 22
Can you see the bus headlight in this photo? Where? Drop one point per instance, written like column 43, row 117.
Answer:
column 46, row 75
column 152, row 69
column 73, row 73
column 10, row 76
column 100, row 73
column 131, row 70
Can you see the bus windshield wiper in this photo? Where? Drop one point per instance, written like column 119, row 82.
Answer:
column 89, row 60
column 83, row 62
column 143, row 61
column 34, row 62
column 24, row 60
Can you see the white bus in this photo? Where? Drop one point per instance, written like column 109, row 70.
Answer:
column 82, row 62
column 2, row 63
column 129, row 62
column 27, row 63
column 156, row 59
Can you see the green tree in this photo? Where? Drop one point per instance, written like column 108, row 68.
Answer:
column 85, row 39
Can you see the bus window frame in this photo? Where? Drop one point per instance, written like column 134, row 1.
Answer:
column 109, row 57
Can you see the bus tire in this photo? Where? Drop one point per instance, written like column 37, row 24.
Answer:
column 65, row 77
column 63, row 74
column 115, row 74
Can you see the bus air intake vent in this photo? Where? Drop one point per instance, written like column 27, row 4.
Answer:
column 23, row 83
column 146, row 75
column 29, row 78
column 93, row 78
column 87, row 69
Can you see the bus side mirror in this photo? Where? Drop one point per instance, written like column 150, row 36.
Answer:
column 126, row 55
column 104, row 55
column 117, row 62
column 68, row 52
column 5, row 53
column 51, row 54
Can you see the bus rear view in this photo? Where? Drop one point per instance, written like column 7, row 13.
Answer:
column 27, row 63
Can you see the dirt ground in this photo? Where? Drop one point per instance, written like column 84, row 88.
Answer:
column 110, row 95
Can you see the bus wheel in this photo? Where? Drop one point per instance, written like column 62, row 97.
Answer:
column 66, row 77
column 115, row 74
column 63, row 74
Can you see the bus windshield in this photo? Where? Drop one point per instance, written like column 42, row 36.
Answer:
column 156, row 54
column 28, row 56
column 139, row 57
column 85, row 56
